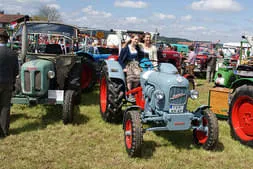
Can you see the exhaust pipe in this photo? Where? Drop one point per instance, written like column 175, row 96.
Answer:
column 24, row 42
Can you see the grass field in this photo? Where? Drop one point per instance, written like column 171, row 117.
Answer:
column 39, row 140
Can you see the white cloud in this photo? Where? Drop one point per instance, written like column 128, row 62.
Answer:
column 134, row 20
column 90, row 11
column 130, row 4
column 195, row 28
column 163, row 16
column 186, row 18
column 56, row 6
column 216, row 5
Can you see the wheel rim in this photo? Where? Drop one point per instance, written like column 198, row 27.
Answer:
column 103, row 94
column 86, row 76
column 128, row 134
column 242, row 117
column 202, row 136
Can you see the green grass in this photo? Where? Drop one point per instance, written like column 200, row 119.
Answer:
column 39, row 140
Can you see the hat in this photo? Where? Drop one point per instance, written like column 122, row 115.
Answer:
column 4, row 34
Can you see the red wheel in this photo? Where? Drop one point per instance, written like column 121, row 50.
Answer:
column 103, row 94
column 88, row 76
column 133, row 135
column 207, row 134
column 242, row 117
column 128, row 134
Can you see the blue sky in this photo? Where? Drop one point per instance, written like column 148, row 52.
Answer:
column 224, row 20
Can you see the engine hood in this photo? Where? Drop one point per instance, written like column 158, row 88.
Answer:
column 163, row 80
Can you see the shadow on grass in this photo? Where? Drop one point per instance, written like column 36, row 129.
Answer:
column 90, row 98
column 53, row 115
column 184, row 140
column 148, row 149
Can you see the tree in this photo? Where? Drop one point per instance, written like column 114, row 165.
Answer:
column 48, row 13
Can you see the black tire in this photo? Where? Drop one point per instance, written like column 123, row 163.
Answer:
column 111, row 96
column 240, row 115
column 208, row 140
column 133, row 134
column 68, row 106
column 88, row 75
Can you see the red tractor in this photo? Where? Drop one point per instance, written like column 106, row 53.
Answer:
column 173, row 57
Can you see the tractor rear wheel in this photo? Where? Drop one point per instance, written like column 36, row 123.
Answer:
column 133, row 134
column 68, row 106
column 111, row 96
column 208, row 136
column 88, row 75
column 241, row 115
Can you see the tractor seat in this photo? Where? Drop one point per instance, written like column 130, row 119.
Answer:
column 53, row 49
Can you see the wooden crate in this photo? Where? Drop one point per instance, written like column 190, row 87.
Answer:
column 218, row 100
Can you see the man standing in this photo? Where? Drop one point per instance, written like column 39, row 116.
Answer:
column 8, row 73
column 191, row 60
column 211, row 66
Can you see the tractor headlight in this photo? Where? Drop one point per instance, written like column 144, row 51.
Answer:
column 50, row 74
column 194, row 94
column 159, row 95
column 159, row 99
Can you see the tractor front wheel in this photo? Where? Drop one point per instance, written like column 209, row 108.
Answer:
column 241, row 115
column 68, row 106
column 133, row 134
column 208, row 133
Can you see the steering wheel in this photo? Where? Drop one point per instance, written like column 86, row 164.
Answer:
column 147, row 64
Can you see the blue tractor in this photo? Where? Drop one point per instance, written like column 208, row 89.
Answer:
column 161, row 102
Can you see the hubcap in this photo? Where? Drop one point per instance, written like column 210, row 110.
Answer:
column 242, row 118
column 128, row 134
column 103, row 94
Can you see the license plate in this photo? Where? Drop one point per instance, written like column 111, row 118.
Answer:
column 176, row 109
column 58, row 95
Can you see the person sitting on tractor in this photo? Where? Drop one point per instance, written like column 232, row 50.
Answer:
column 129, row 58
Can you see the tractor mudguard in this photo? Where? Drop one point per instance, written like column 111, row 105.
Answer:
column 188, row 76
column 240, row 82
column 115, row 70
column 200, row 109
column 134, row 107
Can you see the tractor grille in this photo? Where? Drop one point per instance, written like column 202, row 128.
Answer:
column 32, row 78
column 27, row 84
column 178, row 95
column 37, row 80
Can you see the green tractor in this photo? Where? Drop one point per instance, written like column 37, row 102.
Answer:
column 233, row 97
column 49, row 69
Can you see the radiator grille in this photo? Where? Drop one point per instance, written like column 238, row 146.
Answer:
column 178, row 95
column 37, row 80
column 27, row 84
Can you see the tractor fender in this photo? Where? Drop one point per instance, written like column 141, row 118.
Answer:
column 188, row 76
column 240, row 82
column 201, row 108
column 84, row 56
column 115, row 70
column 134, row 107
